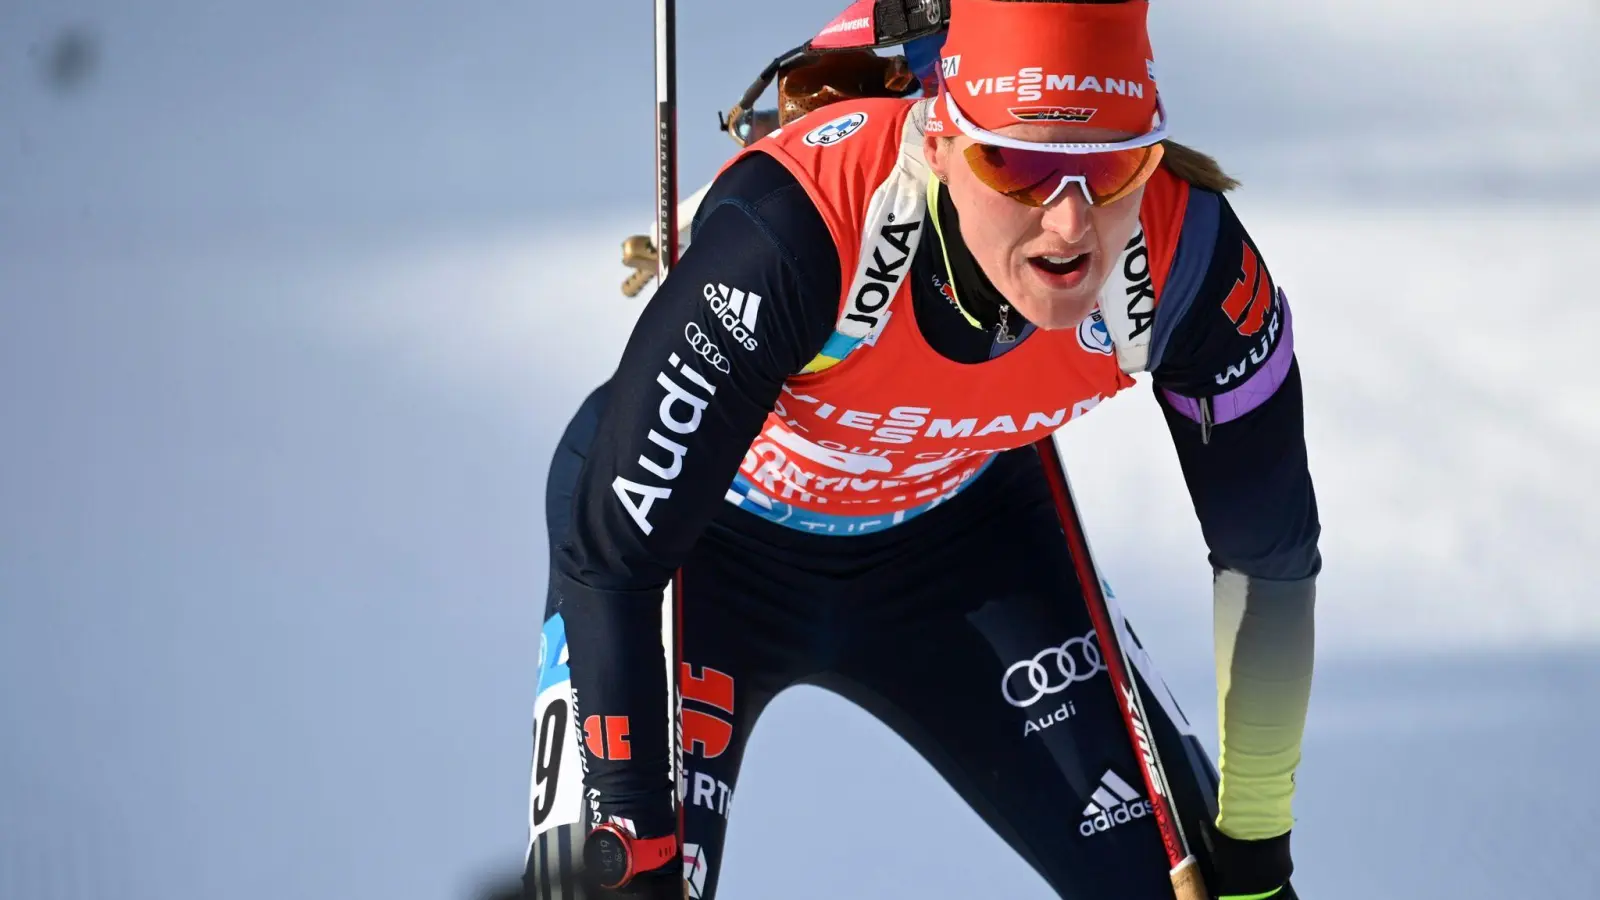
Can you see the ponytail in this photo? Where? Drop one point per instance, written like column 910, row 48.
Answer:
column 1196, row 168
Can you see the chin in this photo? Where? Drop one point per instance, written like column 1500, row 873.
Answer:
column 1055, row 311
column 1052, row 307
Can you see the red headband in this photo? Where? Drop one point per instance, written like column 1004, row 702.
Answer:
column 1005, row 63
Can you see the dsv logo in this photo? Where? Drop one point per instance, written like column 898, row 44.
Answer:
column 1051, row 671
column 703, row 345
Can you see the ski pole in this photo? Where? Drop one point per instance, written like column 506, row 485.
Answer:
column 666, row 258
column 666, row 137
column 1187, row 883
column 653, row 259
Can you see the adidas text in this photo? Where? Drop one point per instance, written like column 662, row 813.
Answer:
column 736, row 310
column 1107, row 820
column 1115, row 802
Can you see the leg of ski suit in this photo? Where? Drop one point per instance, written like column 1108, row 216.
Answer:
column 964, row 630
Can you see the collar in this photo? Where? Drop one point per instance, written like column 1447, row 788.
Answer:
column 984, row 307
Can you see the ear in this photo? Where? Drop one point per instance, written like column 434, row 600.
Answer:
column 936, row 150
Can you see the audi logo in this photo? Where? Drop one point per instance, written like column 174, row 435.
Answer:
column 1053, row 670
column 703, row 346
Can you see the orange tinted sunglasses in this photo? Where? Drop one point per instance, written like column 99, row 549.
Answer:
column 1038, row 177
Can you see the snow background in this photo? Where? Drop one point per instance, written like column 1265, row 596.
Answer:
column 295, row 299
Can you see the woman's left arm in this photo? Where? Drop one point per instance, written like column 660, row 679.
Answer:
column 1228, row 384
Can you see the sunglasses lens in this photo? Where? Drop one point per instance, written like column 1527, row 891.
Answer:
column 1034, row 177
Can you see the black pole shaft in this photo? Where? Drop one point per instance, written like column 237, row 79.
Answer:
column 666, row 258
column 666, row 137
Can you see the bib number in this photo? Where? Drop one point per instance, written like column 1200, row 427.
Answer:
column 556, row 795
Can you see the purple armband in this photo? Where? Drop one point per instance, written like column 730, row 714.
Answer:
column 1257, row 388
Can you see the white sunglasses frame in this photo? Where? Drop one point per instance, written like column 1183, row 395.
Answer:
column 1154, row 136
column 982, row 136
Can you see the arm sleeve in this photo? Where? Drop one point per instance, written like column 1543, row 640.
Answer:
column 1229, row 387
column 751, row 301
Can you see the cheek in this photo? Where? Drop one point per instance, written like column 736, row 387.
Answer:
column 992, row 225
column 1116, row 224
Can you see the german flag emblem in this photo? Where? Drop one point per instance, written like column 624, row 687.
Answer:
column 1248, row 303
column 1053, row 113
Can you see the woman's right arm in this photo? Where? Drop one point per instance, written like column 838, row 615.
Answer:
column 752, row 300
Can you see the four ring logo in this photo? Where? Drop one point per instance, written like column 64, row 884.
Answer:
column 704, row 346
column 1052, row 670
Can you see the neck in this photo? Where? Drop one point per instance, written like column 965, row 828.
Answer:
column 979, row 300
column 981, row 323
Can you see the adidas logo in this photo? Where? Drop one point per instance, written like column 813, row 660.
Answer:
column 1113, row 803
column 736, row 310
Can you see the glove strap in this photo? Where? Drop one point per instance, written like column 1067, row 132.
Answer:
column 1250, row 869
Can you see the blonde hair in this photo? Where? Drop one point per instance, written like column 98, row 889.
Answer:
column 1198, row 169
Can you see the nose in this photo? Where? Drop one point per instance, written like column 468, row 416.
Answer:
column 1068, row 216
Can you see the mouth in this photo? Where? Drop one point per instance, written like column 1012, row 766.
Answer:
column 1061, row 271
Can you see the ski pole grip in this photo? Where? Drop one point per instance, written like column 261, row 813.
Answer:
column 1187, row 883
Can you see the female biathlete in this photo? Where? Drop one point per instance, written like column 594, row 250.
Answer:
column 820, row 433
